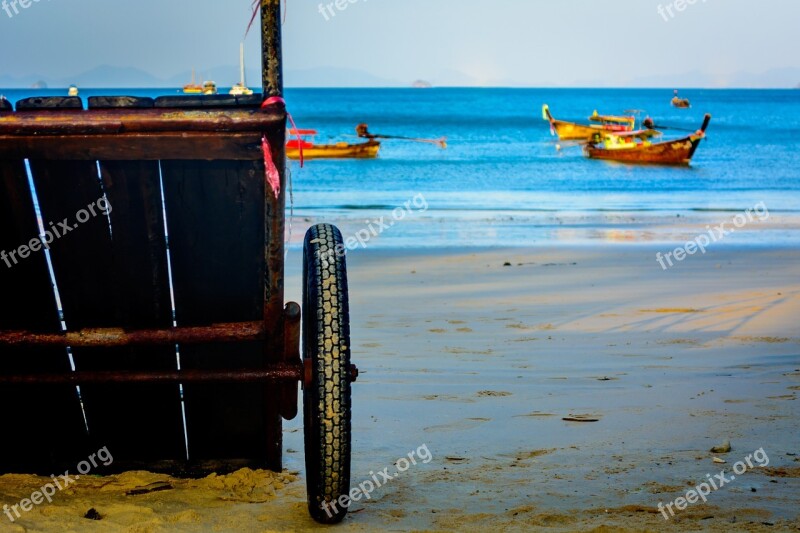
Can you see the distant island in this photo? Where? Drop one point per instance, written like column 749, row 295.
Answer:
column 132, row 77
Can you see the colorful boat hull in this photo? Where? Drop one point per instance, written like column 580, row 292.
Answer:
column 677, row 152
column 367, row 150
column 572, row 131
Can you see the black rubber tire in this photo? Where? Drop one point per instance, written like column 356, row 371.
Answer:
column 326, row 403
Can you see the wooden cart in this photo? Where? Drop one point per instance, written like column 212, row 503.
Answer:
column 142, row 282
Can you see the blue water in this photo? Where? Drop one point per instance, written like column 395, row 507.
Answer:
column 503, row 178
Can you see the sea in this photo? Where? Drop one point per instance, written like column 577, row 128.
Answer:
column 504, row 180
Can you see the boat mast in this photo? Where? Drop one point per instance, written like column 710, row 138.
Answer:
column 241, row 64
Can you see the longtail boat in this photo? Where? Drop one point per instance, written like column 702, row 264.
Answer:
column 341, row 150
column 638, row 147
column 572, row 131
column 680, row 103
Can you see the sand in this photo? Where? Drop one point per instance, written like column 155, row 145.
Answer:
column 480, row 354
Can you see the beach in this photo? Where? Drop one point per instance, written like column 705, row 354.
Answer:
column 545, row 342
column 479, row 354
column 516, row 285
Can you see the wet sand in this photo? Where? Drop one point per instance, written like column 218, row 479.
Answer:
column 480, row 355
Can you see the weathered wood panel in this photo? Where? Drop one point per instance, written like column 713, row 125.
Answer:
column 113, row 275
column 138, row 422
column 97, row 287
column 215, row 216
column 44, row 431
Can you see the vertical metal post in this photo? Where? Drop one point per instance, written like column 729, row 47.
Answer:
column 275, row 213
column 271, row 50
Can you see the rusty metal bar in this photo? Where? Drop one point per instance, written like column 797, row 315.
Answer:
column 274, row 374
column 291, row 332
column 116, row 337
column 271, row 49
column 291, row 355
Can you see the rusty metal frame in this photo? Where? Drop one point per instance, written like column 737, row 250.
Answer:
column 275, row 374
column 116, row 337
column 279, row 331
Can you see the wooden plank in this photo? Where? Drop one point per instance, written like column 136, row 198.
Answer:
column 215, row 216
column 135, row 146
column 141, row 422
column 47, row 432
column 115, row 121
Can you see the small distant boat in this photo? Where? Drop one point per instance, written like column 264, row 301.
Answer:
column 73, row 90
column 680, row 103
column 571, row 131
column 209, row 87
column 240, row 89
column 637, row 147
column 193, row 87
column 341, row 150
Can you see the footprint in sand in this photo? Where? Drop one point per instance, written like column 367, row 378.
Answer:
column 446, row 398
column 492, row 394
column 371, row 345
column 461, row 425
column 535, row 414
column 671, row 311
column 528, row 454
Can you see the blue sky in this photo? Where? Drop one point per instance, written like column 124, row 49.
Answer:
column 483, row 42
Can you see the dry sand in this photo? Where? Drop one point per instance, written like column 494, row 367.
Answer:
column 481, row 362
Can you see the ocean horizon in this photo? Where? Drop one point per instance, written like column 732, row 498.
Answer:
column 505, row 181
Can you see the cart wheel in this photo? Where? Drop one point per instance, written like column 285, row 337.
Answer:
column 326, row 347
